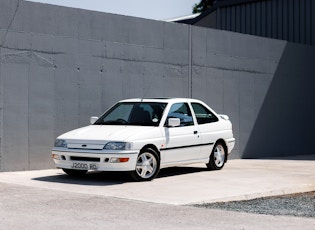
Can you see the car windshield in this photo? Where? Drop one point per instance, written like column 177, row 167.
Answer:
column 133, row 113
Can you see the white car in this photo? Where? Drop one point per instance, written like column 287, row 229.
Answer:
column 142, row 136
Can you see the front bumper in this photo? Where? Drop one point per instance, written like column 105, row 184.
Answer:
column 95, row 161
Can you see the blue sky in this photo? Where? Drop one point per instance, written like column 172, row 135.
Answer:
column 151, row 9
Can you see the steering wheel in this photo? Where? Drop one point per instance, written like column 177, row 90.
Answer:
column 122, row 121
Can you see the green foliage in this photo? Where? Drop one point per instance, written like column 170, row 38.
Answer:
column 202, row 6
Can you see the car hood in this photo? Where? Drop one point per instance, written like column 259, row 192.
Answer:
column 104, row 133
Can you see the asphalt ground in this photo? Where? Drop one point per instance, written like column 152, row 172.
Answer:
column 298, row 204
column 50, row 199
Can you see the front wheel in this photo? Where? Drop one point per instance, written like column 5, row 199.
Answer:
column 217, row 157
column 147, row 167
column 73, row 172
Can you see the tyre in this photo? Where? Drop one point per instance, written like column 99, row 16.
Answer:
column 73, row 172
column 217, row 157
column 147, row 167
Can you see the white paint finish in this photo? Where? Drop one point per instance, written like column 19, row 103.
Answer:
column 181, row 136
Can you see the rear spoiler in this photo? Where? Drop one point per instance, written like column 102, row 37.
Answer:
column 224, row 117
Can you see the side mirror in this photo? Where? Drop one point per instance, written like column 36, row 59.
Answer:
column 225, row 117
column 173, row 122
column 93, row 120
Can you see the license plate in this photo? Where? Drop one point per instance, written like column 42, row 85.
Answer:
column 84, row 166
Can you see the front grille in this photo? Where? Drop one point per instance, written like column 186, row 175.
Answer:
column 94, row 159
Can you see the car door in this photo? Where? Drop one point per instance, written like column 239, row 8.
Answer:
column 182, row 142
column 208, row 126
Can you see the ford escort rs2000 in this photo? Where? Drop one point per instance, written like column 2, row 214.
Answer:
column 141, row 136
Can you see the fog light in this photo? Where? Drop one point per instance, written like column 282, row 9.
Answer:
column 55, row 156
column 119, row 159
column 114, row 160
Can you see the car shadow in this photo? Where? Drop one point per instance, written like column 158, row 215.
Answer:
column 91, row 178
column 95, row 178
column 177, row 171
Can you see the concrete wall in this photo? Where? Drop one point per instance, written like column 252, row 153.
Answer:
column 59, row 66
column 285, row 122
column 266, row 86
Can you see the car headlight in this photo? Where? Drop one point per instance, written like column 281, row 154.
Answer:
column 60, row 143
column 117, row 146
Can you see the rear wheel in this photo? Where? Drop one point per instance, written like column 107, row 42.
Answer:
column 147, row 167
column 217, row 157
column 73, row 172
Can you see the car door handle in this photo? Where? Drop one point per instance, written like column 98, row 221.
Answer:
column 195, row 132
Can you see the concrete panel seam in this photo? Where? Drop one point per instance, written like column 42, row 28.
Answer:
column 140, row 61
column 28, row 119
column 233, row 69
column 190, row 62
column 125, row 43
column 31, row 50
column 1, row 113
column 275, row 60
column 27, row 57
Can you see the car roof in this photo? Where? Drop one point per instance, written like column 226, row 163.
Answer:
column 161, row 99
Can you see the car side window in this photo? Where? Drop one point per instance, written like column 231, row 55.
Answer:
column 181, row 111
column 203, row 115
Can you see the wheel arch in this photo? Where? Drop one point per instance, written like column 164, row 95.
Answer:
column 152, row 146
